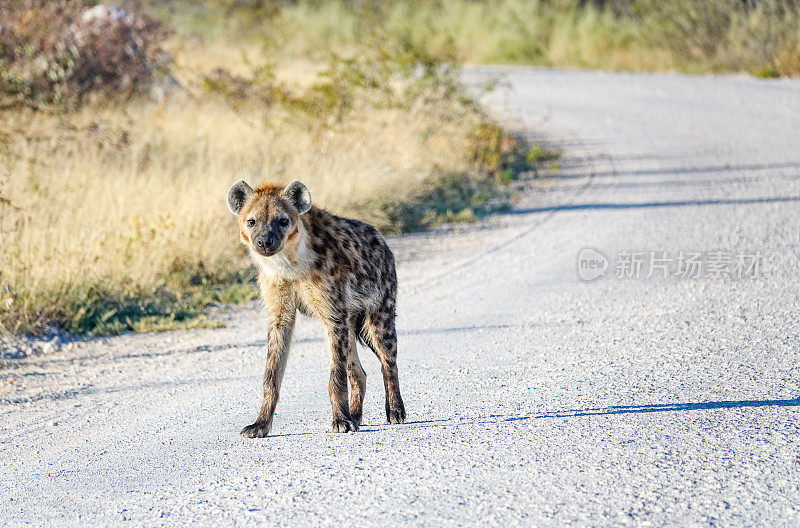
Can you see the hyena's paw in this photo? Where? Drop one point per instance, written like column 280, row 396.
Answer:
column 344, row 425
column 256, row 430
column 356, row 416
column 396, row 414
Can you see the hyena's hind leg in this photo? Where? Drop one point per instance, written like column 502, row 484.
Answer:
column 357, row 378
column 381, row 337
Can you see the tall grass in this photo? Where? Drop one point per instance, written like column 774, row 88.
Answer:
column 113, row 215
column 761, row 36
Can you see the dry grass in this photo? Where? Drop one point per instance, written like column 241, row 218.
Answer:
column 115, row 213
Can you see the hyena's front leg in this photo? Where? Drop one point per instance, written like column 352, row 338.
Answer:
column 339, row 336
column 279, row 336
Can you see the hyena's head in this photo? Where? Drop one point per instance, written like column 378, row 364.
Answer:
column 268, row 215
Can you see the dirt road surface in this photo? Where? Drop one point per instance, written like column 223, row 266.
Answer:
column 662, row 392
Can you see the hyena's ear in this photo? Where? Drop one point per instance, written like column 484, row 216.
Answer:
column 238, row 195
column 297, row 194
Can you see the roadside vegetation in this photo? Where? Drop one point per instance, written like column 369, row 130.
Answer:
column 760, row 37
column 114, row 165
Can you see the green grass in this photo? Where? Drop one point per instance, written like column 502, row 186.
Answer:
column 538, row 154
column 179, row 303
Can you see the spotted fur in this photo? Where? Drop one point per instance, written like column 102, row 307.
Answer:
column 338, row 270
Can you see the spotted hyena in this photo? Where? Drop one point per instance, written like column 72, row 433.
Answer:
column 336, row 269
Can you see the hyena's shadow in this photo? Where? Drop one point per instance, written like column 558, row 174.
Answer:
column 499, row 419
column 605, row 411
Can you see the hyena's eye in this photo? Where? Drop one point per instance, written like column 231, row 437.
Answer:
column 284, row 222
column 251, row 222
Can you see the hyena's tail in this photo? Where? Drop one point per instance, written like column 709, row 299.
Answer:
column 360, row 322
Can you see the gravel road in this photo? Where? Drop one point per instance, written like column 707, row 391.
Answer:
column 662, row 392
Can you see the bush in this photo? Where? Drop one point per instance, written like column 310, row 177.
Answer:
column 386, row 72
column 60, row 51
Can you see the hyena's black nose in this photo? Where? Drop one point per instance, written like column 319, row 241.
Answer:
column 265, row 243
